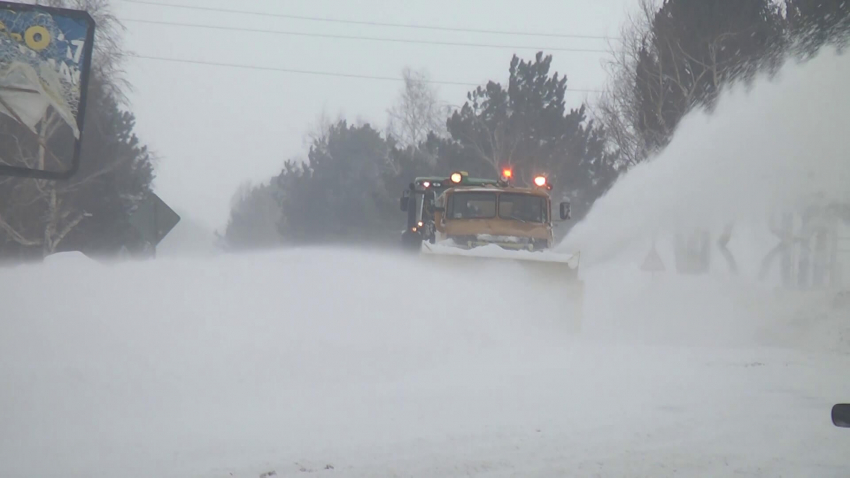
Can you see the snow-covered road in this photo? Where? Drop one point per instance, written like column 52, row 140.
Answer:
column 324, row 362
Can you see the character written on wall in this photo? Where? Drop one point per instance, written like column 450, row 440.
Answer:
column 693, row 252
column 784, row 250
column 807, row 249
column 818, row 244
column 723, row 246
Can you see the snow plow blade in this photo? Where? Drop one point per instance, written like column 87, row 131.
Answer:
column 553, row 273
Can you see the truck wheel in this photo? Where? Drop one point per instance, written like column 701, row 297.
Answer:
column 411, row 241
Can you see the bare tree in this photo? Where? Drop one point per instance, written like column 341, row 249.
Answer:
column 57, row 220
column 620, row 109
column 417, row 112
column 673, row 57
column 53, row 202
column 109, row 51
column 254, row 217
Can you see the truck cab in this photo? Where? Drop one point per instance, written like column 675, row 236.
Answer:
column 473, row 215
column 418, row 202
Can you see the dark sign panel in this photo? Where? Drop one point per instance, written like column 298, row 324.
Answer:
column 154, row 219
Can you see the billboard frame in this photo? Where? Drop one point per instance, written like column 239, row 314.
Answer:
column 22, row 172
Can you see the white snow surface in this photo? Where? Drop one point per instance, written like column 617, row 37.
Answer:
column 333, row 362
column 245, row 364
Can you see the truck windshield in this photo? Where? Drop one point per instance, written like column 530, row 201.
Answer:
column 472, row 205
column 522, row 207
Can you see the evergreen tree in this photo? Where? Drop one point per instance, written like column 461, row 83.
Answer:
column 115, row 176
column 338, row 195
column 527, row 127
column 254, row 218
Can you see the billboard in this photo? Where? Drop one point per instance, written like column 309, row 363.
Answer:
column 45, row 60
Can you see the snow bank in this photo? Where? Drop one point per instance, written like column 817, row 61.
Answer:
column 69, row 259
column 776, row 146
column 779, row 146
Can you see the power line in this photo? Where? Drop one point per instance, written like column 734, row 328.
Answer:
column 377, row 39
column 290, row 70
column 372, row 23
column 349, row 37
column 317, row 73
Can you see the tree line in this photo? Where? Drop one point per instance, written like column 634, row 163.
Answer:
column 673, row 56
column 348, row 188
column 681, row 54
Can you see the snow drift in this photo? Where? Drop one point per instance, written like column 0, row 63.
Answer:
column 780, row 145
column 347, row 363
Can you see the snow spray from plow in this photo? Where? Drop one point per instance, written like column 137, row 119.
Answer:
column 740, row 168
column 550, row 274
column 744, row 201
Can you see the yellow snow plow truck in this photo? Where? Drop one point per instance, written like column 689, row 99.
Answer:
column 462, row 221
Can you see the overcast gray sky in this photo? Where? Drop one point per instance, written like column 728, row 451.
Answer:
column 215, row 127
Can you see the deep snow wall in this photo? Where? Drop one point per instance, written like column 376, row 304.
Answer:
column 773, row 146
